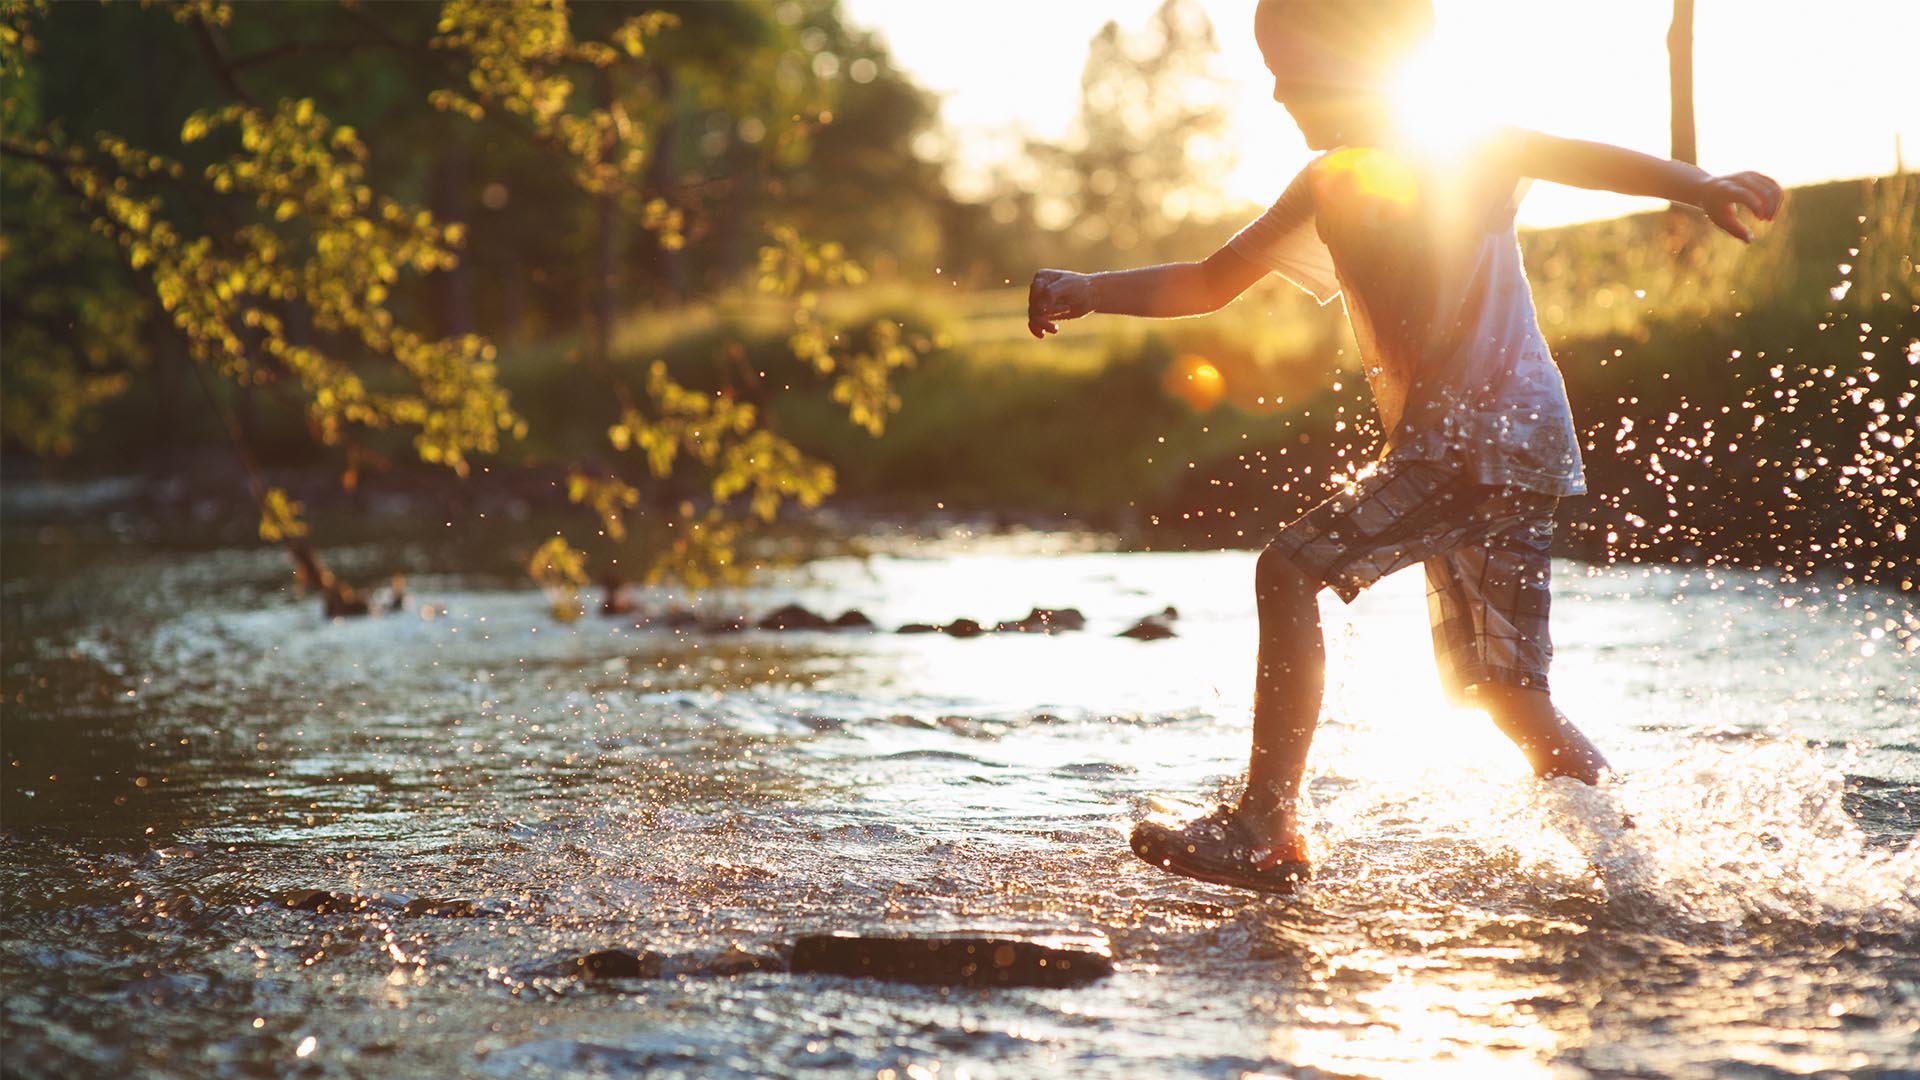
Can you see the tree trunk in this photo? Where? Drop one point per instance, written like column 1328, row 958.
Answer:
column 452, row 201
column 666, row 267
column 1680, row 81
column 606, row 255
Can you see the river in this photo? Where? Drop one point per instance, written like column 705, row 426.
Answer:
column 186, row 740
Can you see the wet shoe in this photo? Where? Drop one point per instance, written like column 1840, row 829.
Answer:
column 1212, row 848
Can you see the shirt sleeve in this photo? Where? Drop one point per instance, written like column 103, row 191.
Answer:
column 1286, row 242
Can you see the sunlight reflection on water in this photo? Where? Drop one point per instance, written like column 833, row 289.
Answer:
column 600, row 784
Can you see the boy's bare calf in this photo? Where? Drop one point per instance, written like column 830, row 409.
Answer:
column 1291, row 679
column 1554, row 747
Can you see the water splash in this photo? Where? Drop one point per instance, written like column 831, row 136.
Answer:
column 1754, row 837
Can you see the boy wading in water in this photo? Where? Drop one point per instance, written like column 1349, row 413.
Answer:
column 1481, row 444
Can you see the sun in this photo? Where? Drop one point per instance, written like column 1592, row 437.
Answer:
column 1444, row 103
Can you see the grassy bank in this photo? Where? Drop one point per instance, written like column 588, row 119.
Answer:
column 1755, row 404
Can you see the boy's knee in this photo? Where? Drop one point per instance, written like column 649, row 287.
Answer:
column 1274, row 573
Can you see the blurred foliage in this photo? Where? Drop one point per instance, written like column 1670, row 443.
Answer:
column 1746, row 405
column 1149, row 146
column 336, row 209
column 700, row 235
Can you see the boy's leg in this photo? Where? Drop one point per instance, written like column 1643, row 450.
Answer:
column 1289, row 679
column 1389, row 520
column 1489, row 604
column 1553, row 746
column 1395, row 517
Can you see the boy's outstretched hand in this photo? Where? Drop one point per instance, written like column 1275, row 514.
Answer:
column 1720, row 196
column 1056, row 296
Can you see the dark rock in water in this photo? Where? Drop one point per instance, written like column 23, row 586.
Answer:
column 318, row 901
column 446, row 909
column 618, row 601
column 793, row 617
column 853, row 619
column 396, row 596
column 950, row 961
column 342, row 602
column 964, row 628
column 680, row 618
column 734, row 960
column 918, row 628
column 1153, row 627
column 726, row 624
column 1046, row 621
column 617, row 964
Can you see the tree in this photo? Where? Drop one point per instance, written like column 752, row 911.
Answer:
column 285, row 247
column 1680, row 81
column 1148, row 149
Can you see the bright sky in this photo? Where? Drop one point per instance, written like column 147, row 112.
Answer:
column 1804, row 91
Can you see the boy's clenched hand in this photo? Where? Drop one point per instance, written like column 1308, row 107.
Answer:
column 1054, row 297
column 1720, row 196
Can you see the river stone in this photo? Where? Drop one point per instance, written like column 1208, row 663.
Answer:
column 964, row 628
column 725, row 963
column 1046, row 621
column 793, row 617
column 342, row 602
column 1154, row 627
column 853, row 619
column 318, row 901
column 918, row 628
column 617, row 964
column 446, row 909
column 618, row 602
column 950, row 961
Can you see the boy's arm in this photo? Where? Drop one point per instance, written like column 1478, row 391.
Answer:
column 1168, row 291
column 1612, row 168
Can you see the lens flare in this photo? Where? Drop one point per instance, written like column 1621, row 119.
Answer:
column 1196, row 381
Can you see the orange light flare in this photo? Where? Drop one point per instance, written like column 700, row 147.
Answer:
column 1366, row 180
column 1196, row 381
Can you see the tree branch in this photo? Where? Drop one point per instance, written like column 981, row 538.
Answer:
column 216, row 55
column 14, row 150
column 291, row 48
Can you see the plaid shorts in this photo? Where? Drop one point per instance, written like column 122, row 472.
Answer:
column 1485, row 550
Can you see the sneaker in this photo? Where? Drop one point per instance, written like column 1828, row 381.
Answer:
column 1212, row 848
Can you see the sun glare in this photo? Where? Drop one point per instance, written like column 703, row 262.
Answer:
column 1442, row 102
column 1402, row 727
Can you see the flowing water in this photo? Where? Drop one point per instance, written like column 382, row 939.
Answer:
column 184, row 739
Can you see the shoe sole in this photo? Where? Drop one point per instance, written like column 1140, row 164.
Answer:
column 1282, row 878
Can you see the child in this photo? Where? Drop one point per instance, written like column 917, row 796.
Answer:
column 1481, row 444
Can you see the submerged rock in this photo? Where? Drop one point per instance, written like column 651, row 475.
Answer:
column 726, row 624
column 617, row 964
column 318, row 901
column 396, row 601
column 963, row 628
column 793, row 617
column 1153, row 627
column 853, row 619
column 617, row 601
column 342, row 602
column 446, row 909
column 728, row 962
column 953, row 961
column 918, row 628
column 1046, row 621
column 647, row 964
